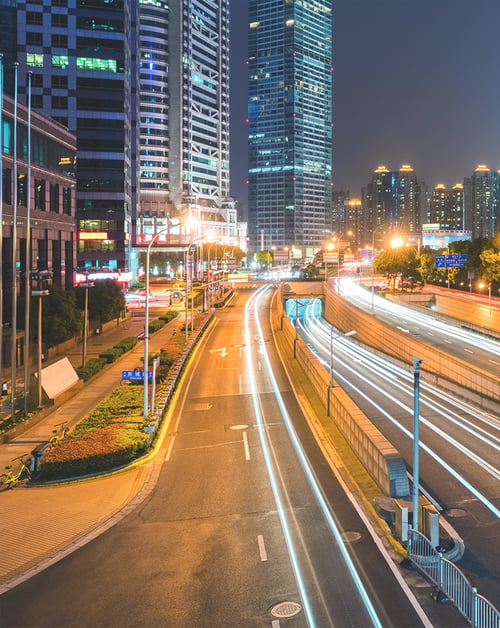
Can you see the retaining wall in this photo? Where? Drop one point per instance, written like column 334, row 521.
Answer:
column 375, row 333
column 378, row 456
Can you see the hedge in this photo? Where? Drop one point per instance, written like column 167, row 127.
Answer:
column 155, row 325
column 112, row 354
column 93, row 366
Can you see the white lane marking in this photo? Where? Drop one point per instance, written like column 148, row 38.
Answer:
column 447, row 341
column 495, row 363
column 262, row 548
column 406, row 331
column 245, row 445
column 468, row 350
column 169, row 450
column 240, row 386
column 276, row 623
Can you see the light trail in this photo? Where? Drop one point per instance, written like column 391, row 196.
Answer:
column 356, row 293
column 319, row 336
column 254, row 302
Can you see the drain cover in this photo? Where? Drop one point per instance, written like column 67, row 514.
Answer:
column 351, row 537
column 286, row 609
column 456, row 512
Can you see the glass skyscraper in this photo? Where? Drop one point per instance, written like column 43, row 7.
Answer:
column 290, row 123
column 184, row 104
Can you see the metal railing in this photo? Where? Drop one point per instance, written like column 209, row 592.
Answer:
column 476, row 609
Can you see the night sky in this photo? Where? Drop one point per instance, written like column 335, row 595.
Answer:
column 415, row 81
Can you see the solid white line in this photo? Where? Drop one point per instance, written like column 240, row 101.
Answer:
column 169, row 450
column 262, row 548
column 245, row 445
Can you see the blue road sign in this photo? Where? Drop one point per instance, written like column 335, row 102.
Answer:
column 454, row 260
column 136, row 376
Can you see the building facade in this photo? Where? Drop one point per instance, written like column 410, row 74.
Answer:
column 446, row 208
column 184, row 114
column 482, row 202
column 289, row 124
column 82, row 58
column 394, row 202
column 38, row 198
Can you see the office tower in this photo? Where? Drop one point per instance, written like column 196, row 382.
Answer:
column 446, row 209
column 482, row 202
column 289, row 123
column 82, row 56
column 184, row 94
column 393, row 202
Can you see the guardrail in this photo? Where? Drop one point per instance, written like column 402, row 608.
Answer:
column 452, row 583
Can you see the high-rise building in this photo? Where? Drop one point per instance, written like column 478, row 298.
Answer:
column 482, row 202
column 393, row 202
column 289, row 123
column 446, row 208
column 82, row 58
column 184, row 105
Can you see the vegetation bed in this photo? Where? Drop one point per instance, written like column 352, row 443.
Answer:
column 111, row 436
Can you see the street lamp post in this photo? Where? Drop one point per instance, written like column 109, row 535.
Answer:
column 86, row 285
column 332, row 338
column 373, row 267
column 39, row 294
column 188, row 277
column 416, row 437
column 146, row 321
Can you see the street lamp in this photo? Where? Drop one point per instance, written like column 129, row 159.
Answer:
column 483, row 285
column 332, row 338
column 188, row 277
column 373, row 266
column 416, row 437
column 39, row 294
column 146, row 321
column 86, row 285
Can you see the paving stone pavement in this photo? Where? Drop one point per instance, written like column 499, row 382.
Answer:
column 37, row 524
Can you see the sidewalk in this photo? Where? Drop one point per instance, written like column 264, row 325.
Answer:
column 39, row 522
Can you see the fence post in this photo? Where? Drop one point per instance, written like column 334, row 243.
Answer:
column 440, row 571
column 473, row 609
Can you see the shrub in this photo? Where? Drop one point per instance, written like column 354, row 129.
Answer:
column 127, row 343
column 110, row 355
column 93, row 366
column 168, row 316
column 155, row 325
column 110, row 436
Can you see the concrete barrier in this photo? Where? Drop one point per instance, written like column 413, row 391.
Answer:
column 382, row 461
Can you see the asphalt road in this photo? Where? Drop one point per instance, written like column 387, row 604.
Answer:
column 459, row 444
column 207, row 548
column 481, row 352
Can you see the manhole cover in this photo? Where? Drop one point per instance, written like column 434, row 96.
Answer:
column 286, row 609
column 456, row 512
column 351, row 537
column 238, row 427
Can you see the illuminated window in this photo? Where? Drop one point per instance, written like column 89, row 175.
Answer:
column 59, row 61
column 100, row 65
column 34, row 60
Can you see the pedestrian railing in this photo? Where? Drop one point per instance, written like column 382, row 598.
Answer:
column 452, row 582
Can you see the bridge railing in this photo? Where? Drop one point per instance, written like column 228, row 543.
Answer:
column 451, row 582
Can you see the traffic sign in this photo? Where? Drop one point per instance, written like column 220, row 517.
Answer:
column 136, row 376
column 454, row 260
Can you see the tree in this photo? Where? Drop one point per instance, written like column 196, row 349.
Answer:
column 60, row 318
column 490, row 260
column 401, row 262
column 263, row 258
column 106, row 300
